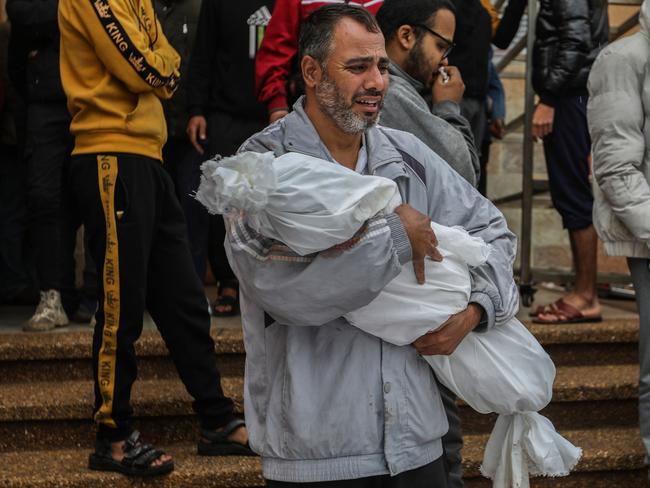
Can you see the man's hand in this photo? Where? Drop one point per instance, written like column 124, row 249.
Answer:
column 452, row 90
column 277, row 115
column 445, row 340
column 497, row 128
column 423, row 240
column 196, row 128
column 543, row 120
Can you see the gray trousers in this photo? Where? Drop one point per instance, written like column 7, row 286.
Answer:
column 641, row 278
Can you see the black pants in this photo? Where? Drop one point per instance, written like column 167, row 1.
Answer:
column 207, row 233
column 567, row 151
column 48, row 149
column 53, row 223
column 432, row 475
column 138, row 238
column 15, row 273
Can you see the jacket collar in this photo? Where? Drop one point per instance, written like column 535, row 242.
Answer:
column 395, row 70
column 301, row 136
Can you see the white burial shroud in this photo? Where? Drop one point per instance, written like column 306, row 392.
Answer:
column 311, row 205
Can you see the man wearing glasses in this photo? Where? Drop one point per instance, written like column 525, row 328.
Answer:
column 425, row 102
column 420, row 99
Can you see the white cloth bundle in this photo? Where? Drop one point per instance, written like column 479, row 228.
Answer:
column 307, row 203
column 311, row 205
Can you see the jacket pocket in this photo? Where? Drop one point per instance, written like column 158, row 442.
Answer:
column 608, row 225
column 146, row 117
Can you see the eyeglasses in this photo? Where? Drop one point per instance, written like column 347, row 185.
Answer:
column 450, row 44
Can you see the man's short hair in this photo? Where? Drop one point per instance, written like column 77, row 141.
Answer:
column 395, row 13
column 317, row 30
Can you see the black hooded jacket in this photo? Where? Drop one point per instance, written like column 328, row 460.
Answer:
column 35, row 49
column 471, row 54
column 568, row 36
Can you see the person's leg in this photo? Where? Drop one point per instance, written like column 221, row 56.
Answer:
column 48, row 149
column 475, row 112
column 484, row 160
column 115, row 198
column 226, row 133
column 640, row 269
column 452, row 441
column 227, row 302
column 176, row 302
column 567, row 158
column 188, row 174
column 584, row 249
column 88, row 304
column 15, row 279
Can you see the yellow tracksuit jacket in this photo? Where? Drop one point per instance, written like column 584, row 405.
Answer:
column 116, row 65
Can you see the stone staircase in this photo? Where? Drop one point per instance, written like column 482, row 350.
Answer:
column 46, row 403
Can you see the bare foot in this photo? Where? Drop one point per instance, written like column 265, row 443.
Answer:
column 225, row 307
column 588, row 308
column 239, row 435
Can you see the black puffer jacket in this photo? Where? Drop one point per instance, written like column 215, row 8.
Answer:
column 568, row 36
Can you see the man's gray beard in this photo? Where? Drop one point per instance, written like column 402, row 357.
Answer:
column 333, row 104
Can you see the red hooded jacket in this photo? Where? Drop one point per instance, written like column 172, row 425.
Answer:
column 280, row 45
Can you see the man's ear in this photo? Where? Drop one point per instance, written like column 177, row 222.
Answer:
column 311, row 71
column 405, row 37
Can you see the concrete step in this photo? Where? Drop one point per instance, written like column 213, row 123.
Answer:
column 65, row 355
column 41, row 415
column 609, row 393
column 612, row 458
column 37, row 415
column 613, row 341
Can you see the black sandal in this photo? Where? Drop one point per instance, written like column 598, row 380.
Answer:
column 218, row 444
column 137, row 458
column 226, row 301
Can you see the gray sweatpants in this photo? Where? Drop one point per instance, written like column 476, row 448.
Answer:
column 641, row 279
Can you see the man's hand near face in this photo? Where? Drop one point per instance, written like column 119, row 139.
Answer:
column 423, row 240
column 453, row 90
column 446, row 339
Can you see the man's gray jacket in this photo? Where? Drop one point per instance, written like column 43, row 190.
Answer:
column 441, row 126
column 324, row 400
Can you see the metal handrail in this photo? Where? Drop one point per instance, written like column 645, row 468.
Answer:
column 511, row 54
column 525, row 277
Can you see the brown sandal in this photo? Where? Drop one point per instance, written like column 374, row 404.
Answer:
column 564, row 314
